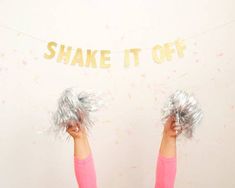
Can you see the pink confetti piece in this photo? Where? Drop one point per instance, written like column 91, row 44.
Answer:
column 107, row 27
column 24, row 62
column 143, row 75
column 129, row 132
column 220, row 54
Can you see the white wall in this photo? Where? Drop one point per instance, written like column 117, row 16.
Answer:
column 127, row 133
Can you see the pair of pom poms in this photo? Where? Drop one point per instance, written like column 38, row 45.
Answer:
column 76, row 106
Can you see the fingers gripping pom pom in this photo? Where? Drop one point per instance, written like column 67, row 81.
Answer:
column 184, row 108
column 74, row 106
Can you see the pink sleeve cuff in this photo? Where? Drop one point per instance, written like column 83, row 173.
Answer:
column 88, row 159
column 166, row 159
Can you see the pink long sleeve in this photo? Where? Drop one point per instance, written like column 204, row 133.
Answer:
column 165, row 172
column 85, row 172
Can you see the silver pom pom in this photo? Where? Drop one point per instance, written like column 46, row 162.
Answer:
column 184, row 108
column 74, row 106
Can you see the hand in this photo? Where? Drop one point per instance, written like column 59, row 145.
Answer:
column 76, row 130
column 170, row 130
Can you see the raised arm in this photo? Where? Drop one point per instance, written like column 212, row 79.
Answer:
column 83, row 161
column 166, row 162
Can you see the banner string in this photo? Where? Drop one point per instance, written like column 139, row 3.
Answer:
column 187, row 38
